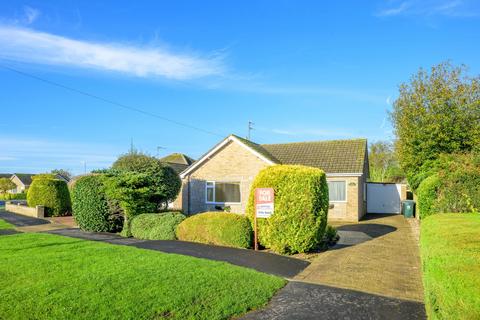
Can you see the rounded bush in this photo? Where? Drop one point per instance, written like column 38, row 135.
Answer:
column 301, row 207
column 427, row 194
column 51, row 193
column 92, row 209
column 219, row 228
column 156, row 226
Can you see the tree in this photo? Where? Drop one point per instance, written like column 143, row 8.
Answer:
column 436, row 112
column 62, row 172
column 141, row 184
column 6, row 184
column 383, row 162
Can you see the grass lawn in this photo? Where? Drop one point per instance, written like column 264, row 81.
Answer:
column 450, row 247
column 5, row 225
column 46, row 276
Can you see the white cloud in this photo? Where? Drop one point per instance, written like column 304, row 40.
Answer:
column 27, row 45
column 448, row 8
column 31, row 14
column 393, row 11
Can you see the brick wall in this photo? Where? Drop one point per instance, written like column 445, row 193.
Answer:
column 353, row 208
column 232, row 163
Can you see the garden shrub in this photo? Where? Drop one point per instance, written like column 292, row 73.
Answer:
column 13, row 196
column 459, row 189
column 141, row 183
column 427, row 194
column 156, row 226
column 301, row 207
column 51, row 193
column 454, row 187
column 219, row 228
column 92, row 208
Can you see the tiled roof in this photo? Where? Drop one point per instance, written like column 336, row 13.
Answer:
column 335, row 156
column 5, row 175
column 178, row 161
column 179, row 158
column 26, row 178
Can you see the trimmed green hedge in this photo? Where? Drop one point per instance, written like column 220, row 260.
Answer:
column 156, row 226
column 219, row 228
column 301, row 207
column 92, row 209
column 427, row 194
column 51, row 193
column 13, row 196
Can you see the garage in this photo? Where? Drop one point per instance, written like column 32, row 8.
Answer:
column 384, row 197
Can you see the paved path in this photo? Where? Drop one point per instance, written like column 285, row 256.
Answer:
column 21, row 221
column 379, row 255
column 299, row 300
column 264, row 262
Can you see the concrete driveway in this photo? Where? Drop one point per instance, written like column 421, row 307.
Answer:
column 378, row 255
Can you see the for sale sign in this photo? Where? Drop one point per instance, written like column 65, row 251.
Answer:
column 264, row 202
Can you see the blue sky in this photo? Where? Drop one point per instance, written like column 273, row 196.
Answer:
column 300, row 70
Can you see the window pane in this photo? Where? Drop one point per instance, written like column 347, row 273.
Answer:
column 227, row 192
column 209, row 194
column 337, row 190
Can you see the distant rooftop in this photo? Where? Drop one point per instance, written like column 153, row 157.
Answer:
column 178, row 161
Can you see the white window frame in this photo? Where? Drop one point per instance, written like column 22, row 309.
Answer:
column 213, row 187
column 346, row 193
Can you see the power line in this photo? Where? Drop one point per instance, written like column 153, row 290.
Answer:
column 118, row 104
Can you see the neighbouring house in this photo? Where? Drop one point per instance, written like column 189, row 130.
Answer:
column 177, row 161
column 223, row 176
column 24, row 180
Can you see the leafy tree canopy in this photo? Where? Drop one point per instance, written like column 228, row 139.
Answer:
column 6, row 184
column 62, row 172
column 437, row 111
column 383, row 162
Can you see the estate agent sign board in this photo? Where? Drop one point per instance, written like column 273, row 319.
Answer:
column 264, row 207
column 264, row 198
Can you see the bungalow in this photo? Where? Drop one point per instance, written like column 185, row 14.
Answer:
column 22, row 181
column 223, row 176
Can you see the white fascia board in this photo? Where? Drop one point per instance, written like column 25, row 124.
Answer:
column 354, row 174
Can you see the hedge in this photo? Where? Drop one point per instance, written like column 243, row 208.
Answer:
column 156, row 226
column 301, row 207
column 13, row 196
column 92, row 209
column 51, row 193
column 427, row 194
column 219, row 228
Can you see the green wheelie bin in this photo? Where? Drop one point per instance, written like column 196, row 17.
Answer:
column 408, row 208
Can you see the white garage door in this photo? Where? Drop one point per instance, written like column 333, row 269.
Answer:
column 383, row 198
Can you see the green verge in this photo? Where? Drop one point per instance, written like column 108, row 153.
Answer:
column 48, row 276
column 5, row 225
column 450, row 247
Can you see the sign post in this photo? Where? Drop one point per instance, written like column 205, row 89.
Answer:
column 264, row 207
